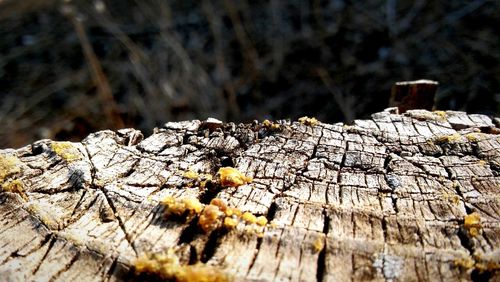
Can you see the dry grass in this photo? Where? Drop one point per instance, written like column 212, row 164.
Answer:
column 70, row 68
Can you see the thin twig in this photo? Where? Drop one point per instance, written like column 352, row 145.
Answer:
column 103, row 88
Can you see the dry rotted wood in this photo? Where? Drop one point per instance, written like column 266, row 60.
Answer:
column 382, row 199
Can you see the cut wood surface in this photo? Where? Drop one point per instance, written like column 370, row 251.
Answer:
column 411, row 197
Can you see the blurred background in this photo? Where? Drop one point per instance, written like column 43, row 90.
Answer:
column 69, row 68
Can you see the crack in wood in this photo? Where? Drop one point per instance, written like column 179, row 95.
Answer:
column 321, row 262
column 66, row 267
column 120, row 223
column 50, row 242
column 214, row 239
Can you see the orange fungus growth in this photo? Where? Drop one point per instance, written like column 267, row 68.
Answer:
column 232, row 177
column 209, row 218
column 472, row 223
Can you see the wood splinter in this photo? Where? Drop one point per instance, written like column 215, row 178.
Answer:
column 418, row 94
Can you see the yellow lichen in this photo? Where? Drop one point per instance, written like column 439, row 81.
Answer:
column 191, row 174
column 181, row 207
column 229, row 176
column 261, row 220
column 167, row 266
column 66, row 150
column 197, row 179
column 318, row 244
column 15, row 186
column 452, row 198
column 441, row 114
column 487, row 266
column 477, row 263
column 230, row 222
column 270, row 125
column 233, row 211
column 309, row 121
column 9, row 165
column 447, row 138
column 482, row 162
column 466, row 263
column 193, row 204
column 473, row 137
column 472, row 223
column 249, row 217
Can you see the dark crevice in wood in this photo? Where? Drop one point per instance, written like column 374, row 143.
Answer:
column 254, row 258
column 37, row 149
column 419, row 166
column 475, row 150
column 495, row 168
column 131, row 170
column 448, row 172
column 326, row 222
column 465, row 241
column 468, row 209
column 112, row 268
column 126, row 198
column 188, row 234
column 344, row 155
column 271, row 212
column 471, row 207
column 210, row 192
column 140, row 185
column 54, row 161
column 321, row 263
column 223, row 154
column 478, row 275
column 193, row 255
column 92, row 166
column 11, row 224
column 66, row 267
column 185, row 138
column 384, row 228
column 80, row 202
column 214, row 240
column 46, row 239
column 394, row 200
column 388, row 159
column 315, row 148
column 296, row 211
column 76, row 179
column 52, row 191
column 120, row 221
column 106, row 214
column 158, row 219
column 226, row 161
column 341, row 197
column 51, row 242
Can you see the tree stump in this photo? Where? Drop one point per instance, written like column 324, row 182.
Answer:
column 396, row 197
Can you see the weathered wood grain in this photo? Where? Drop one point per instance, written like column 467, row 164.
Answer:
column 383, row 199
